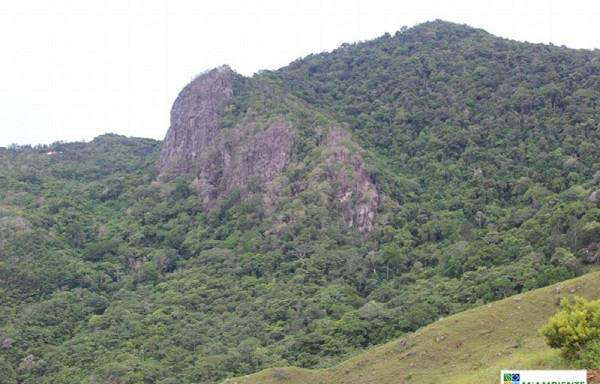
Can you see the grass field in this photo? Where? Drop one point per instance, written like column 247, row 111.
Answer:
column 470, row 347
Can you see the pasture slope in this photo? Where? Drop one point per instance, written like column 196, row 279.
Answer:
column 468, row 348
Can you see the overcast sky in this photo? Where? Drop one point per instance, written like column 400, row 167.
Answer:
column 73, row 69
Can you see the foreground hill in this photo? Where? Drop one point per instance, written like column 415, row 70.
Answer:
column 470, row 347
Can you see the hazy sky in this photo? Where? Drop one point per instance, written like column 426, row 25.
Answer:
column 73, row 69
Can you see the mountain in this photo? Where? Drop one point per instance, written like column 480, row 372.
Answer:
column 469, row 347
column 301, row 215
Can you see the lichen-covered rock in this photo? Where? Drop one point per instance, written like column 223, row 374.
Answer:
column 238, row 160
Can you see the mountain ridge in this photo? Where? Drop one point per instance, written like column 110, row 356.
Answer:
column 302, row 215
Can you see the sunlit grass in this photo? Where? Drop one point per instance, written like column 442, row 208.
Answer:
column 468, row 348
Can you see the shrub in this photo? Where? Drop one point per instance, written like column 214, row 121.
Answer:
column 575, row 328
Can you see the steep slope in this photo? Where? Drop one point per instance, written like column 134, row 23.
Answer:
column 195, row 120
column 439, row 147
column 232, row 137
column 406, row 96
column 470, row 347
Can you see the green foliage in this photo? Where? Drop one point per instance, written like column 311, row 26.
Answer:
column 589, row 357
column 8, row 373
column 575, row 328
column 484, row 153
column 468, row 347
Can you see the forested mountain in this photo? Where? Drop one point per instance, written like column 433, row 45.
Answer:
column 301, row 215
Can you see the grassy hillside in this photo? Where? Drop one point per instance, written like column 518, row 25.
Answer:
column 470, row 347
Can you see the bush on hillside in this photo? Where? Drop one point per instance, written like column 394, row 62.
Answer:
column 575, row 330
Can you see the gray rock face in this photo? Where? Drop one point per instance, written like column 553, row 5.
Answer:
column 249, row 158
column 195, row 120
column 220, row 161
column 245, row 160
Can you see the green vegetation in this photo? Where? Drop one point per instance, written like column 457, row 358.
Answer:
column 467, row 348
column 484, row 153
column 575, row 330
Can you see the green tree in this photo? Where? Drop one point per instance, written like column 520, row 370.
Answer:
column 574, row 328
column 7, row 375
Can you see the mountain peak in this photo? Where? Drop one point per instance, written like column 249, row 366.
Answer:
column 440, row 29
column 195, row 119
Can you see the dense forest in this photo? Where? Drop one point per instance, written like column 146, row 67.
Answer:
column 418, row 175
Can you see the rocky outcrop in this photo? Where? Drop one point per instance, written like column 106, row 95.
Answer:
column 195, row 120
column 244, row 160
column 353, row 191
column 220, row 161
column 249, row 156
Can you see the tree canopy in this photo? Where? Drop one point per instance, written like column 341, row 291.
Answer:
column 481, row 155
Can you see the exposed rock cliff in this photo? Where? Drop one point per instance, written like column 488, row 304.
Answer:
column 243, row 160
column 257, row 151
column 195, row 120
column 220, row 160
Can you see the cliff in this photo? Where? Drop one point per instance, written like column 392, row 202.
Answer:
column 232, row 138
column 195, row 120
